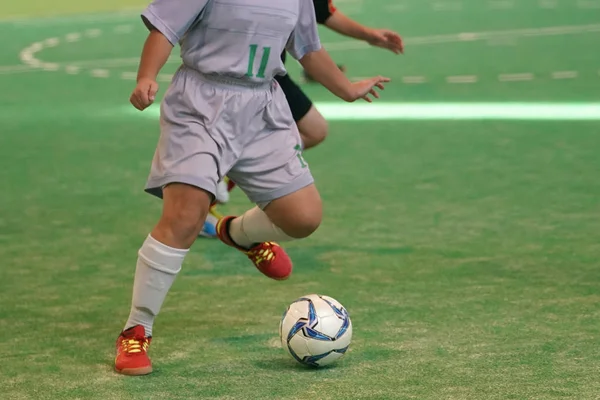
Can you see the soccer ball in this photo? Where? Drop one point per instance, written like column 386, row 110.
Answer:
column 316, row 330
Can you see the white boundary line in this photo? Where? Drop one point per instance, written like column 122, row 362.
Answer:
column 565, row 75
column 525, row 76
column 32, row 63
column 462, row 79
column 27, row 55
column 475, row 36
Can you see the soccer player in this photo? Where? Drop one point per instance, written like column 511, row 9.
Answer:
column 311, row 124
column 224, row 114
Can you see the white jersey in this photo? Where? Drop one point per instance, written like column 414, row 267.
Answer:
column 237, row 39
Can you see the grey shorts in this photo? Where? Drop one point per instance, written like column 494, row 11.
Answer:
column 210, row 128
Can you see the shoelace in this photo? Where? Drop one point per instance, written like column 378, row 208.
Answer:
column 264, row 252
column 131, row 346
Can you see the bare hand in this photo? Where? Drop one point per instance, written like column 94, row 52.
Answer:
column 144, row 93
column 386, row 39
column 362, row 89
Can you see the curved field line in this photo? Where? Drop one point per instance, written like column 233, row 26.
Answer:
column 356, row 45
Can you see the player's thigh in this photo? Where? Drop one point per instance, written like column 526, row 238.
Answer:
column 186, row 158
column 313, row 128
column 295, row 205
column 272, row 166
column 274, row 175
column 184, row 172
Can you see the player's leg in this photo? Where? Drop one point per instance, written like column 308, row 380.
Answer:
column 184, row 210
column 225, row 186
column 159, row 261
column 185, row 174
column 311, row 124
column 161, row 256
column 294, row 216
column 257, row 233
column 313, row 130
column 275, row 176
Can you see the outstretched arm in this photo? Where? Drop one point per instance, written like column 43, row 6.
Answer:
column 324, row 70
column 335, row 20
column 304, row 45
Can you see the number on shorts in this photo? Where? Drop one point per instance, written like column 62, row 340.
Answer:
column 263, row 62
column 303, row 163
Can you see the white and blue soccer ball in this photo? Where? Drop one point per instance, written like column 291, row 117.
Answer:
column 316, row 330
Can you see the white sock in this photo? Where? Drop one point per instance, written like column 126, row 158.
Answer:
column 254, row 226
column 156, row 269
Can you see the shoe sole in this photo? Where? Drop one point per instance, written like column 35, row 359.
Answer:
column 135, row 371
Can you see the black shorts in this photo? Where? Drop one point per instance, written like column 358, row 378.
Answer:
column 299, row 102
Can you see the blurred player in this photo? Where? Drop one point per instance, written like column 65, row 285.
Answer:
column 311, row 124
column 224, row 114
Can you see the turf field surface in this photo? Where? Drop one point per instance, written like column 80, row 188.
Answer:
column 465, row 251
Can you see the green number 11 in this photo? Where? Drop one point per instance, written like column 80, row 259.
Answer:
column 263, row 62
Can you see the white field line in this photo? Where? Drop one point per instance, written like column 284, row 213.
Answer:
column 27, row 55
column 565, row 75
column 475, row 36
column 415, row 41
column 462, row 79
column 525, row 76
column 100, row 73
column 414, row 79
column 73, row 37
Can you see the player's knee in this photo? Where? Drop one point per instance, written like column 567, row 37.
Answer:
column 305, row 228
column 184, row 223
column 298, row 214
column 304, row 221
column 184, row 213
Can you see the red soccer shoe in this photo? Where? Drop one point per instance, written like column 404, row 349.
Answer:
column 132, row 352
column 268, row 257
